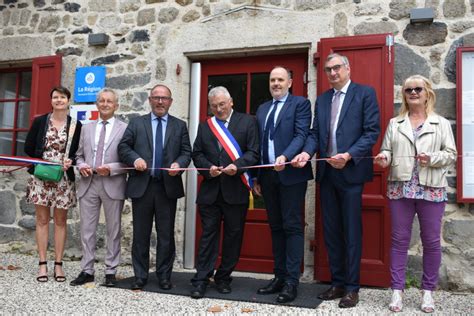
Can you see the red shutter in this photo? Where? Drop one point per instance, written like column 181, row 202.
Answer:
column 46, row 73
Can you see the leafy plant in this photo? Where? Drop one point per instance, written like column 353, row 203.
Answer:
column 412, row 281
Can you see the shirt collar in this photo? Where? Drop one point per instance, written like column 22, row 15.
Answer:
column 109, row 121
column 344, row 89
column 227, row 120
column 282, row 100
column 163, row 118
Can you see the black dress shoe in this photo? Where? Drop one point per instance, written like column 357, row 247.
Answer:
column 349, row 300
column 110, row 280
column 275, row 286
column 138, row 284
column 82, row 278
column 332, row 293
column 223, row 288
column 198, row 291
column 288, row 294
column 165, row 284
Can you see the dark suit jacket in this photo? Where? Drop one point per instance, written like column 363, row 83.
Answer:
column 291, row 130
column 206, row 153
column 137, row 142
column 34, row 143
column 357, row 131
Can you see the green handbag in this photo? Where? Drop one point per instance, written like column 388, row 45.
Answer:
column 55, row 173
column 52, row 173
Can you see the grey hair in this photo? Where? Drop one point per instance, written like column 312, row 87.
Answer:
column 104, row 90
column 344, row 59
column 218, row 90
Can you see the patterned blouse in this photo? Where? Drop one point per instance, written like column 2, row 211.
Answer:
column 413, row 189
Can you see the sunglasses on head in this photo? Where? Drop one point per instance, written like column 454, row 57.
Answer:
column 416, row 89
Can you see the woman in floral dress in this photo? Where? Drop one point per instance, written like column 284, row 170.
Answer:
column 47, row 139
column 418, row 146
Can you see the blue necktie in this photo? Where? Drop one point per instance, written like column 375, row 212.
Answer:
column 269, row 131
column 158, row 149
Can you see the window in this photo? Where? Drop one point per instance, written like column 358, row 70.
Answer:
column 24, row 94
column 15, row 99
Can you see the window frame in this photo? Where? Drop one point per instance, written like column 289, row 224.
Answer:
column 45, row 74
column 19, row 71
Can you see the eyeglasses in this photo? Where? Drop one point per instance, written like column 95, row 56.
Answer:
column 158, row 98
column 218, row 105
column 416, row 89
column 336, row 68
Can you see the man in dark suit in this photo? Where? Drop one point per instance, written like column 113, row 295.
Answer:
column 224, row 192
column 345, row 128
column 103, row 180
column 150, row 142
column 283, row 125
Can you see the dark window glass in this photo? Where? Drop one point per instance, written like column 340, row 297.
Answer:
column 23, row 117
column 6, row 143
column 259, row 91
column 20, row 144
column 8, row 85
column 7, row 115
column 25, row 85
column 237, row 86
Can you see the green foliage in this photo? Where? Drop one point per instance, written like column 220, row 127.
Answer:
column 412, row 281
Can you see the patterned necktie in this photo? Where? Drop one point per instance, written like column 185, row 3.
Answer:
column 335, row 105
column 158, row 149
column 99, row 154
column 268, row 132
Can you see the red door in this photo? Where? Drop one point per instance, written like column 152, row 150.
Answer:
column 371, row 62
column 247, row 81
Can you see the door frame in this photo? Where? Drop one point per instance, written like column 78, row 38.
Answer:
column 198, row 112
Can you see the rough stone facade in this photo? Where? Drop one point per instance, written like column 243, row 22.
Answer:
column 150, row 38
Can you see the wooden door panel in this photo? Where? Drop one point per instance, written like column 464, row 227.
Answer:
column 371, row 64
column 377, row 185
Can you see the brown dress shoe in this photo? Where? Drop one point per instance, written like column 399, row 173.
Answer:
column 332, row 294
column 349, row 300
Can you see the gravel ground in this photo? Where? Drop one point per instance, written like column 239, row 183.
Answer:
column 21, row 294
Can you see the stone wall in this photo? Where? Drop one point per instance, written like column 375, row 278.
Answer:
column 151, row 39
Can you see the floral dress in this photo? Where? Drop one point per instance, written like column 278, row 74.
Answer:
column 413, row 189
column 60, row 194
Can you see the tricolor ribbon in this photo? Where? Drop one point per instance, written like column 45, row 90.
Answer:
column 229, row 144
column 34, row 161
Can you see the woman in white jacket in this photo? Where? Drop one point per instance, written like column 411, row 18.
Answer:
column 418, row 146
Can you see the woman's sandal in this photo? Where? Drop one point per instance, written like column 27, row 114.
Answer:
column 43, row 278
column 58, row 278
column 396, row 304
column 427, row 302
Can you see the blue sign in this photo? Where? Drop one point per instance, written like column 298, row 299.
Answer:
column 89, row 81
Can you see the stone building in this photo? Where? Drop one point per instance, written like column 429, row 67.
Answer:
column 172, row 42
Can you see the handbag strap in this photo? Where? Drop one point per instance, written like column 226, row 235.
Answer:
column 72, row 129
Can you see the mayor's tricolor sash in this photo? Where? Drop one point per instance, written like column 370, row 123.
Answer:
column 229, row 144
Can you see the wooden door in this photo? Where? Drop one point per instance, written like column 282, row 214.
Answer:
column 247, row 81
column 372, row 62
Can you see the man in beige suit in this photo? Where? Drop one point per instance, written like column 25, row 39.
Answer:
column 103, row 182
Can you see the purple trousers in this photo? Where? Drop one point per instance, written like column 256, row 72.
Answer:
column 429, row 216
